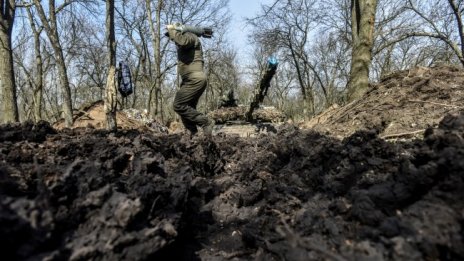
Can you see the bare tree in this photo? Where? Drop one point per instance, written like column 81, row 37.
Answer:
column 362, row 30
column 288, row 26
column 37, row 81
column 134, row 47
column 156, row 38
column 434, row 26
column 51, row 28
column 91, row 64
column 222, row 75
column 84, row 44
column 7, row 78
column 331, row 61
column 411, row 33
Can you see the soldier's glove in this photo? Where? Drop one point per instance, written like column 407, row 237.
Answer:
column 169, row 27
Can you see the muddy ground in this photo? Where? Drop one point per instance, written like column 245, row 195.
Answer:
column 87, row 194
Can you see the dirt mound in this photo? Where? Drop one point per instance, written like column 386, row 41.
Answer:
column 93, row 116
column 403, row 104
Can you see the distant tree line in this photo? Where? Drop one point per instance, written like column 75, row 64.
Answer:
column 56, row 56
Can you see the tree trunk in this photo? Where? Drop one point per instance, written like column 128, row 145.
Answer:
column 38, row 90
column 300, row 81
column 111, row 99
column 362, row 26
column 111, row 92
column 159, row 101
column 7, row 79
column 63, row 75
column 156, row 38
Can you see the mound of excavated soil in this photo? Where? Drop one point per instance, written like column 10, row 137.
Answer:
column 93, row 116
column 298, row 195
column 402, row 104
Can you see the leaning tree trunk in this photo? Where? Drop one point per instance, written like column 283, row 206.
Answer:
column 111, row 92
column 362, row 26
column 7, row 79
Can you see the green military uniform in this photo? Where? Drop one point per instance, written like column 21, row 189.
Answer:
column 190, row 68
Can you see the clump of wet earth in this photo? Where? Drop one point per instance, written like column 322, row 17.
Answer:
column 89, row 194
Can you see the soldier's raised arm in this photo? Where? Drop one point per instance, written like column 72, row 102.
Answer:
column 183, row 40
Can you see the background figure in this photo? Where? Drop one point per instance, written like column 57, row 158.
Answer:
column 190, row 67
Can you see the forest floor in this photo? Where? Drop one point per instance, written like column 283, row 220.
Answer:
column 379, row 179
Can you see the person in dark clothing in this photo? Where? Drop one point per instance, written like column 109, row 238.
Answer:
column 190, row 68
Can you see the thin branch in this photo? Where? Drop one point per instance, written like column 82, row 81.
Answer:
column 265, row 13
column 62, row 6
column 399, row 135
column 24, row 4
column 441, row 37
column 429, row 21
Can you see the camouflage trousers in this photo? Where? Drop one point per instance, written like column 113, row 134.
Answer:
column 185, row 103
